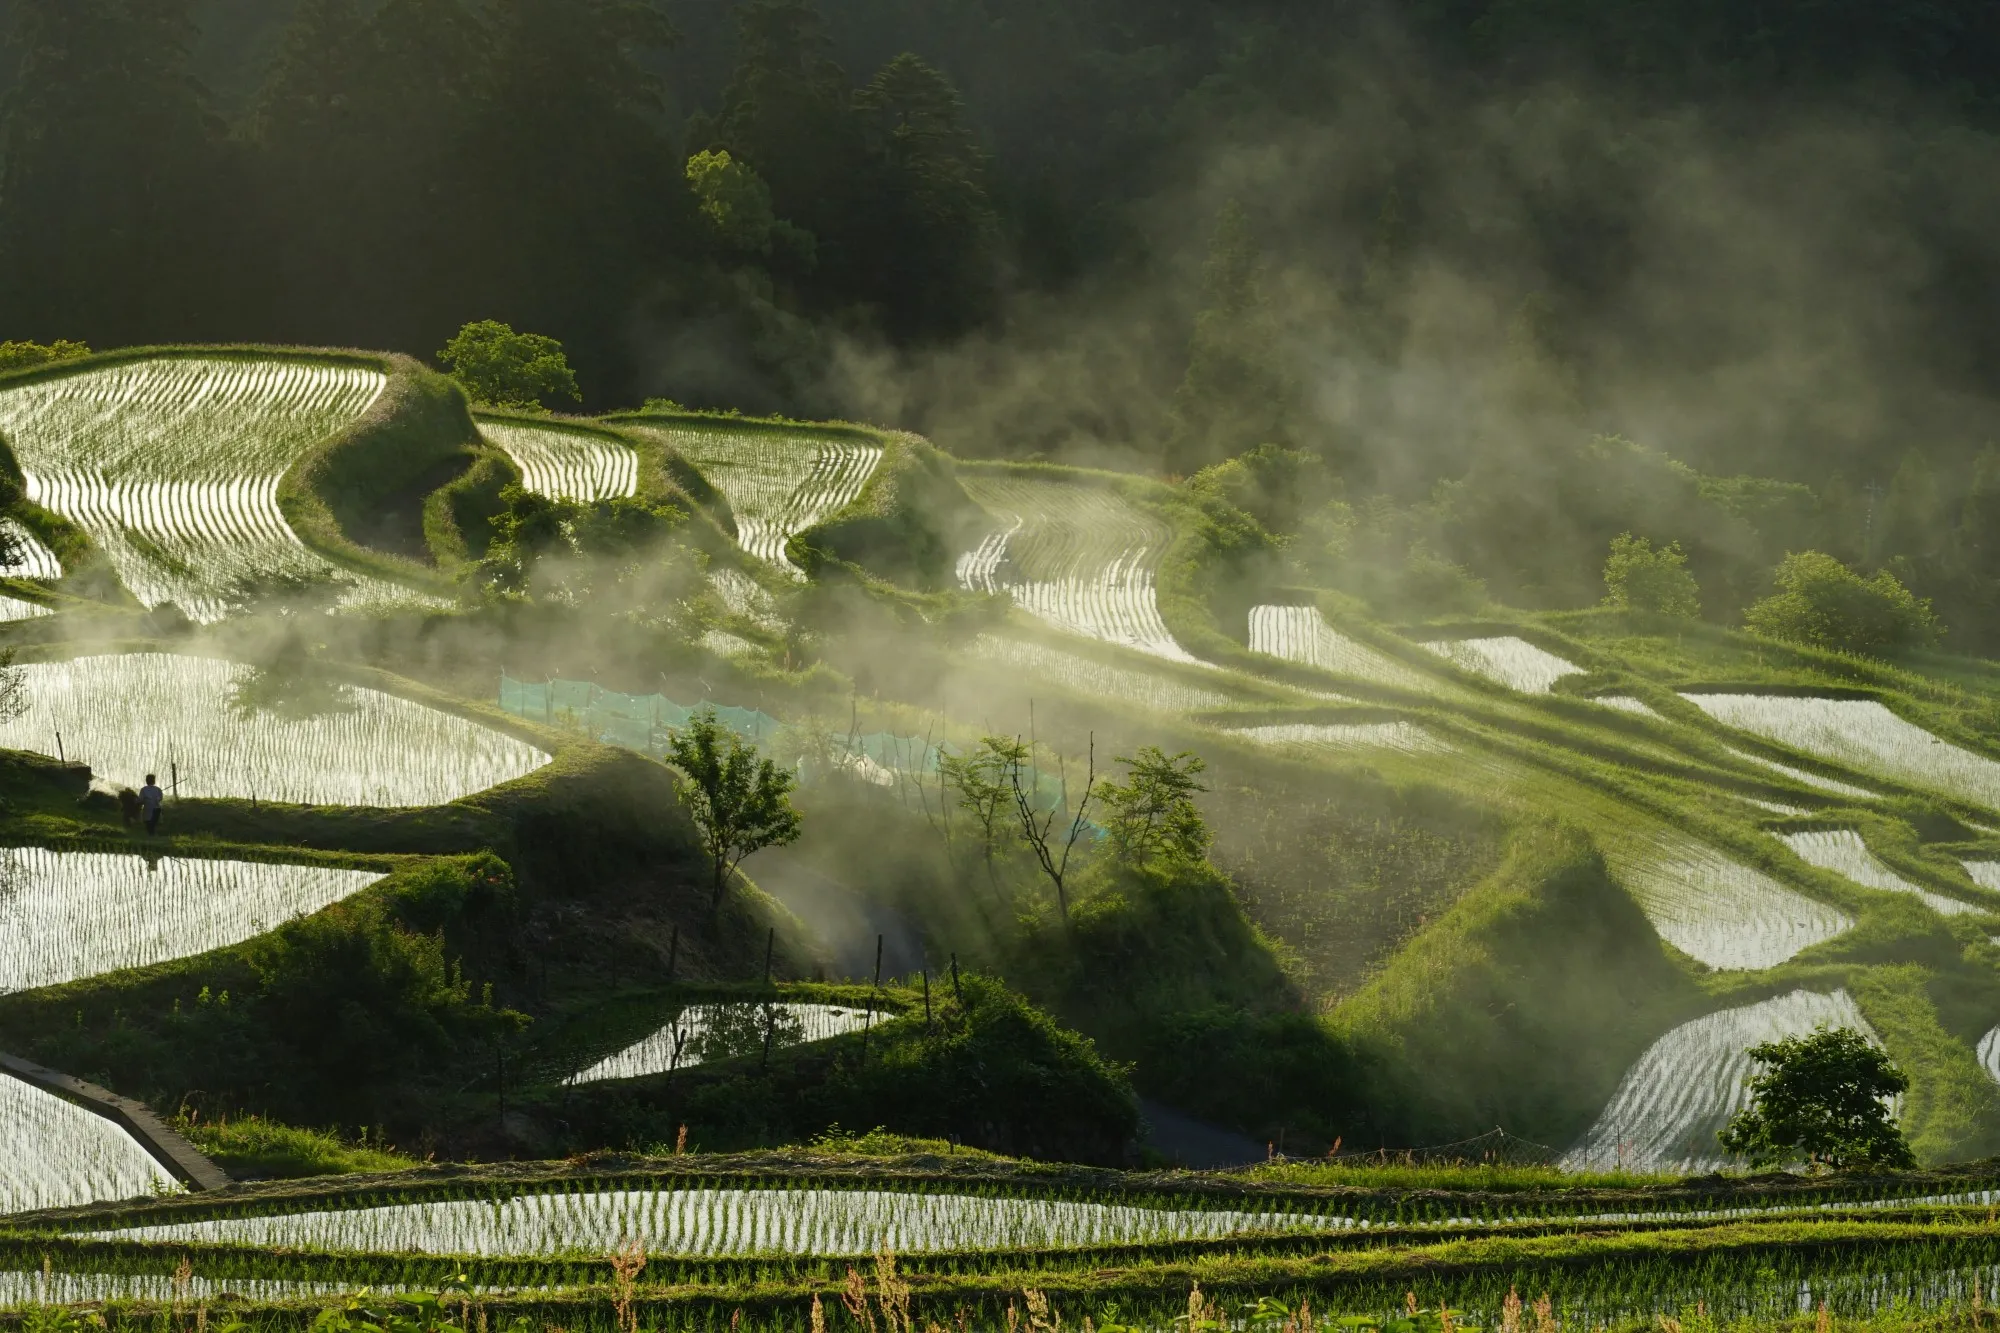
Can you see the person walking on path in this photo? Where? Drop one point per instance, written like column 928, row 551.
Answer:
column 150, row 796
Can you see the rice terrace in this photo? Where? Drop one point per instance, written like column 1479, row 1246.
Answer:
column 844, row 666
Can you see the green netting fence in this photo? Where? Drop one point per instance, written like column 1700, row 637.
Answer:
column 642, row 722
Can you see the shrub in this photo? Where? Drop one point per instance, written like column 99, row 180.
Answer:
column 502, row 368
column 1639, row 578
column 25, row 355
column 1824, row 604
column 1824, row 1097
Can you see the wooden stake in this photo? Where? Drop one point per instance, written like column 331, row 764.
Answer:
column 770, row 942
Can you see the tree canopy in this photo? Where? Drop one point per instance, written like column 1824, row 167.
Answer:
column 1823, row 1098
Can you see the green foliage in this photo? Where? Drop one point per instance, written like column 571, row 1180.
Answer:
column 336, row 496
column 981, row 785
column 1234, row 395
column 737, row 204
column 26, row 355
column 253, row 1147
column 1276, row 486
column 1824, row 604
column 1639, row 578
column 459, row 515
column 985, row 1067
column 1546, row 965
column 1534, row 523
column 1162, row 968
column 501, row 368
column 1152, row 816
column 357, row 998
column 734, row 199
column 623, row 558
column 740, row 803
column 909, row 524
column 1823, row 1098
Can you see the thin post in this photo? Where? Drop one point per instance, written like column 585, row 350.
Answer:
column 927, row 999
column 673, row 954
column 868, row 1025
column 174, row 772
column 957, row 990
column 770, row 942
column 770, row 1021
column 60, row 756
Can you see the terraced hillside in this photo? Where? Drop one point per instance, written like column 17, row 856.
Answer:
column 760, row 1242
column 1553, row 872
column 1077, row 555
column 172, row 465
column 778, row 481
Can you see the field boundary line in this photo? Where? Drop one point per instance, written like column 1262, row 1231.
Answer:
column 181, row 1158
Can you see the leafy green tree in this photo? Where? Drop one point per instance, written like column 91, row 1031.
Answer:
column 929, row 256
column 1825, row 1098
column 1639, row 578
column 1233, row 396
column 737, row 204
column 502, row 368
column 734, row 199
column 109, row 170
column 1151, row 816
column 740, row 803
column 25, row 355
column 1913, row 521
column 980, row 786
column 788, row 113
column 1977, row 540
column 1824, row 604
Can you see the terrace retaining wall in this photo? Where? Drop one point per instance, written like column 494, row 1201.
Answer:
column 181, row 1158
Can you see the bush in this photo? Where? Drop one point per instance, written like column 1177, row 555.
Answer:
column 1639, row 578
column 25, row 355
column 253, row 1148
column 1824, row 604
column 502, row 368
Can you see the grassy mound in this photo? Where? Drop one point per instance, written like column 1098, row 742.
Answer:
column 360, row 498
column 908, row 525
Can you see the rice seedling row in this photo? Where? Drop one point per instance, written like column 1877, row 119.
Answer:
column 722, row 1222
column 1681, row 1092
column 1401, row 737
column 33, row 559
column 1081, row 558
column 1831, row 786
column 1986, row 874
column 713, row 1031
column 1862, row 734
column 1087, row 675
column 69, row 915
column 133, row 714
column 1511, row 661
column 1843, row 852
column 777, row 484
column 13, row 608
column 567, row 464
column 58, row 1155
column 1625, row 703
column 1301, row 634
column 1718, row 910
column 172, row 466
column 1592, row 1281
